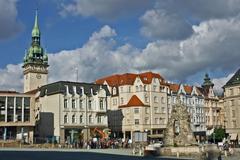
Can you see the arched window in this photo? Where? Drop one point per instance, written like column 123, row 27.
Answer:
column 65, row 118
column 81, row 118
column 74, row 119
column 114, row 91
column 137, row 90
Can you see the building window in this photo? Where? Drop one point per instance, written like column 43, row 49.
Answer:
column 90, row 120
column 232, row 102
column 162, row 100
column 154, row 88
column 66, row 119
column 114, row 90
column 146, row 98
column 156, row 121
column 101, row 104
column 156, row 109
column 121, row 89
column 129, row 89
column 155, row 99
column 114, row 101
column 163, row 109
column 141, row 88
column 146, row 110
column 137, row 89
column 81, row 118
column 122, row 100
column 145, row 87
column 73, row 104
column 136, row 121
column 74, row 120
column 99, row 119
column 146, row 120
column 65, row 103
column 89, row 104
column 231, row 92
column 136, row 110
column 233, row 113
column 234, row 124
column 81, row 104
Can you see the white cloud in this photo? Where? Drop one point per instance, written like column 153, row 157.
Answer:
column 8, row 19
column 163, row 25
column 213, row 46
column 11, row 77
column 103, row 9
column 220, row 82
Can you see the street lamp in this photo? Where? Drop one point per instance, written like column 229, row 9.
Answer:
column 214, row 137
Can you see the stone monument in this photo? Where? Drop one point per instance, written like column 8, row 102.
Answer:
column 178, row 131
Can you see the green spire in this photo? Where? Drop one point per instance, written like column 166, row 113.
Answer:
column 207, row 81
column 36, row 31
column 36, row 54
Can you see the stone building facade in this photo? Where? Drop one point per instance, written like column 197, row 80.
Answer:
column 72, row 110
column 138, row 103
column 232, row 104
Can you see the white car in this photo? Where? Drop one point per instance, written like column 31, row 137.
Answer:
column 158, row 144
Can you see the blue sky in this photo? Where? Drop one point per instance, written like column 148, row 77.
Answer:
column 181, row 40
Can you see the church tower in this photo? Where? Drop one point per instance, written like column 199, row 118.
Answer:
column 35, row 67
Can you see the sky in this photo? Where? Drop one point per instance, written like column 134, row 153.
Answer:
column 179, row 39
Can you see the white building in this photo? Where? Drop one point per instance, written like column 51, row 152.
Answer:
column 193, row 98
column 71, row 110
column 138, row 104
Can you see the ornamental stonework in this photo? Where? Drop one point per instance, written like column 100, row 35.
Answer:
column 178, row 131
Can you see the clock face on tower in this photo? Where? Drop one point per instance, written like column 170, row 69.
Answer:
column 38, row 76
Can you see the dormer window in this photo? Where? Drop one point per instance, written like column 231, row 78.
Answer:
column 145, row 78
column 114, row 90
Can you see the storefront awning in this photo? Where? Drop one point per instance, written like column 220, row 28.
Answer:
column 233, row 136
column 156, row 136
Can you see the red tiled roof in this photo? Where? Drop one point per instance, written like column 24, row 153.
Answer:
column 129, row 78
column 174, row 87
column 188, row 89
column 133, row 102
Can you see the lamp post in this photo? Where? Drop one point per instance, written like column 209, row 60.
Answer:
column 214, row 137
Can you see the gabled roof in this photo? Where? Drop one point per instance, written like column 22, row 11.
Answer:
column 133, row 102
column 188, row 89
column 129, row 78
column 59, row 88
column 235, row 80
column 174, row 87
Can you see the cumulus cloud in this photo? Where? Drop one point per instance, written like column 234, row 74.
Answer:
column 11, row 77
column 103, row 9
column 171, row 19
column 212, row 46
column 8, row 19
column 164, row 25
column 96, row 58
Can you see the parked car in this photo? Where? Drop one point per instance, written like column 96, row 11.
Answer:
column 158, row 144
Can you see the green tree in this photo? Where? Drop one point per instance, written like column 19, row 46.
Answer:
column 218, row 135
